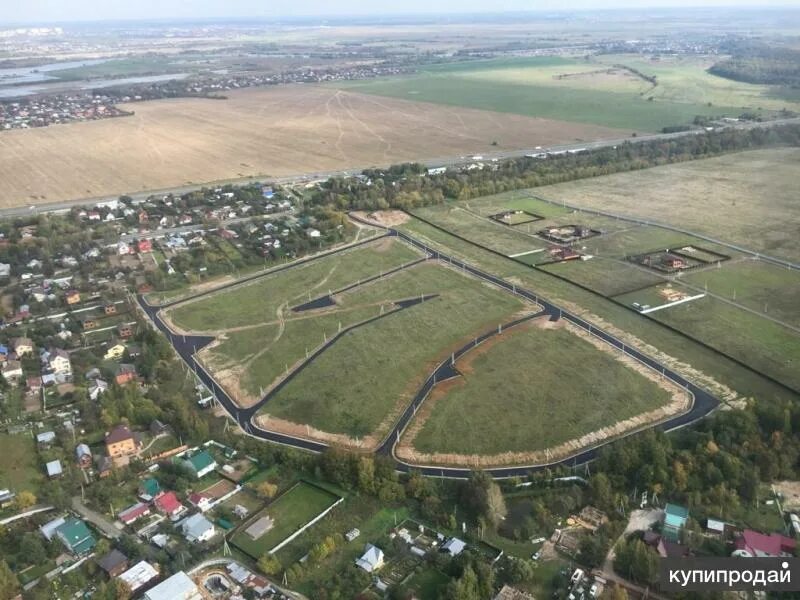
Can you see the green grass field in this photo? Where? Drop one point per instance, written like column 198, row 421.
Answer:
column 562, row 89
column 353, row 386
column 290, row 511
column 755, row 284
column 533, row 390
column 19, row 468
column 747, row 198
column 702, row 359
column 609, row 277
column 762, row 344
column 499, row 237
column 260, row 300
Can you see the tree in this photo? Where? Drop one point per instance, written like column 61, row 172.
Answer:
column 9, row 585
column 25, row 500
column 122, row 591
column 269, row 564
column 266, row 490
column 32, row 549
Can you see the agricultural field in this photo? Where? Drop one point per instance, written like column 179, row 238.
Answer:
column 541, row 380
column 747, row 198
column 357, row 385
column 276, row 131
column 569, row 89
column 290, row 511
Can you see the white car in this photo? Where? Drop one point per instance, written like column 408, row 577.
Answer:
column 536, row 555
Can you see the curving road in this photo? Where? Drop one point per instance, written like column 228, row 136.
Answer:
column 187, row 346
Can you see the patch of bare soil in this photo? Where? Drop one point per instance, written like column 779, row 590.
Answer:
column 680, row 401
column 384, row 218
column 790, row 490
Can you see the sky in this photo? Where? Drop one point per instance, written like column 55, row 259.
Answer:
column 49, row 11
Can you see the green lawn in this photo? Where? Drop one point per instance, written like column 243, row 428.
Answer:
column 354, row 385
column 258, row 301
column 534, row 389
column 19, row 467
column 755, row 284
column 290, row 511
column 428, row 583
column 565, row 90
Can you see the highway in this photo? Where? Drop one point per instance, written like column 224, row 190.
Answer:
column 703, row 402
column 449, row 161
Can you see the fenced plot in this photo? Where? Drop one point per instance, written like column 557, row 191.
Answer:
column 290, row 513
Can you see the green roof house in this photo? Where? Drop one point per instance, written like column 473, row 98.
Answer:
column 149, row 487
column 75, row 535
column 674, row 520
column 200, row 464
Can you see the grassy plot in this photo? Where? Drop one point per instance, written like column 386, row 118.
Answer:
column 755, row 284
column 19, row 470
column 499, row 237
column 759, row 343
column 352, row 387
column 259, row 301
column 290, row 511
column 534, row 389
column 627, row 322
column 570, row 91
column 609, row 277
column 747, row 198
column 515, row 200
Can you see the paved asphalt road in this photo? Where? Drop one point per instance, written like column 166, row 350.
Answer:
column 187, row 346
column 450, row 161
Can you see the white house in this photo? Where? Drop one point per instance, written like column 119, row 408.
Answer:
column 371, row 560
column 197, row 529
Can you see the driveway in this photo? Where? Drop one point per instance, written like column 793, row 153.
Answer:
column 95, row 518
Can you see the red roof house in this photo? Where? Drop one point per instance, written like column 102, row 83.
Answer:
column 754, row 544
column 129, row 515
column 144, row 246
column 168, row 504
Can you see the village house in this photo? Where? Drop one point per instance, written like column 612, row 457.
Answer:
column 124, row 330
column 72, row 297
column 167, row 504
column 12, row 371
column 121, row 445
column 110, row 308
column 114, row 352
column 45, row 438
column 139, row 575
column 197, row 529
column 200, row 464
column 22, row 346
column 371, row 560
column 752, row 544
column 54, row 469
column 144, row 246
column 114, row 563
column 675, row 518
column 56, row 361
column 125, row 373
column 76, row 537
column 133, row 513
column 200, row 501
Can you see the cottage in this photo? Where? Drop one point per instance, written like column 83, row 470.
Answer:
column 124, row 330
column 675, row 518
column 125, row 373
column 133, row 513
column 110, row 308
column 177, row 587
column 167, row 503
column 120, row 444
column 197, row 529
column 46, row 438
column 90, row 323
column 139, row 575
column 752, row 544
column 12, row 371
column 200, row 464
column 144, row 246
column 149, row 489
column 200, row 501
column 114, row 352
column 75, row 536
column 114, row 563
column 371, row 560
column 72, row 297
column 56, row 361
column 22, row 346
column 453, row 546
column 96, row 388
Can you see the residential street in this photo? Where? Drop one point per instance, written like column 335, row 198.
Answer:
column 95, row 518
